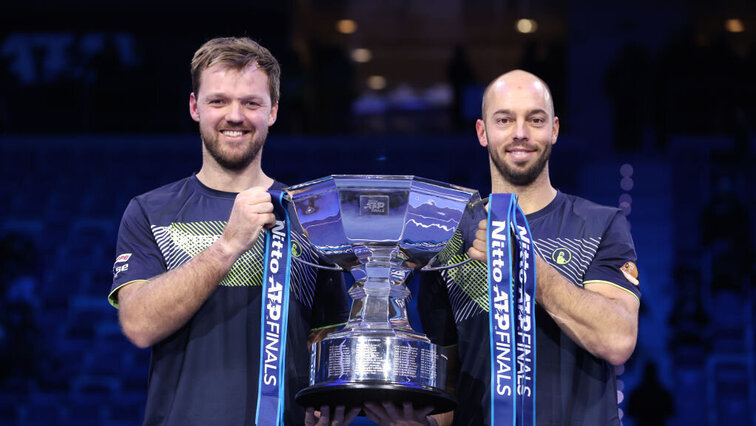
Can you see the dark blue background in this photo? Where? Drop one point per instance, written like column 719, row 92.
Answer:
column 657, row 109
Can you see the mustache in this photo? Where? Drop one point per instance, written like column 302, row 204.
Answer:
column 522, row 145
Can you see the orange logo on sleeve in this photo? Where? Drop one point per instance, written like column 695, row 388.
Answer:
column 630, row 271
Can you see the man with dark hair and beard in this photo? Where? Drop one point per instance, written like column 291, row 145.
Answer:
column 587, row 292
column 188, row 275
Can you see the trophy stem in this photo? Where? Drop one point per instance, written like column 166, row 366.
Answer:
column 379, row 290
column 378, row 304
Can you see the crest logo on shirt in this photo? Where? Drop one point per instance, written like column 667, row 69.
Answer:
column 561, row 256
column 296, row 249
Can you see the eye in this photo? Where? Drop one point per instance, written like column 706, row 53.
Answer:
column 538, row 121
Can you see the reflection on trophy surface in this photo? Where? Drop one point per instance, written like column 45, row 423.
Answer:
column 380, row 228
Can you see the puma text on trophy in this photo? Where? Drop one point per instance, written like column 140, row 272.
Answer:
column 380, row 228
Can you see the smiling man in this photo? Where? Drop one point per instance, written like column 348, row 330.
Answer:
column 587, row 294
column 189, row 267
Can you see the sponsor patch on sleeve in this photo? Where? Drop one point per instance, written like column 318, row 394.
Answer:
column 630, row 271
column 118, row 269
column 123, row 257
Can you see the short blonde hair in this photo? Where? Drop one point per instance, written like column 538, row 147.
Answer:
column 236, row 53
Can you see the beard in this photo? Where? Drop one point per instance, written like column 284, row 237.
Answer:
column 520, row 177
column 233, row 162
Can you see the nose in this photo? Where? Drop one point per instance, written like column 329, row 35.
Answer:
column 521, row 131
column 234, row 113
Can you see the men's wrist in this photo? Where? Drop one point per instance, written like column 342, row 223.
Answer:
column 223, row 251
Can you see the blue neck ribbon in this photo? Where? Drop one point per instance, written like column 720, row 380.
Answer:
column 511, row 278
column 274, row 318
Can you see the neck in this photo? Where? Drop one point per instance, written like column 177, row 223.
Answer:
column 216, row 177
column 532, row 197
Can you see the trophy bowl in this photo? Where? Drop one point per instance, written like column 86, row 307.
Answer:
column 380, row 228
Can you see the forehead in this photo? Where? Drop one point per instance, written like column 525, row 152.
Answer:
column 517, row 95
column 222, row 78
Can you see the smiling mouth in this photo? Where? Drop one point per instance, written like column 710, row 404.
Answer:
column 233, row 133
column 520, row 155
column 520, row 151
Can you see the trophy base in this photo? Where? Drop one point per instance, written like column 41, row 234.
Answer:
column 355, row 394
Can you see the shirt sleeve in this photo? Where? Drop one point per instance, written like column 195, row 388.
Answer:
column 615, row 261
column 137, row 254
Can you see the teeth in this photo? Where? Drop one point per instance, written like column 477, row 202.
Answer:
column 233, row 133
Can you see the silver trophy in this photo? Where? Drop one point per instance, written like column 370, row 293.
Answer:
column 380, row 228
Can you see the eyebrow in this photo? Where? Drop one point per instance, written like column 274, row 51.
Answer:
column 529, row 113
column 225, row 96
column 215, row 95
